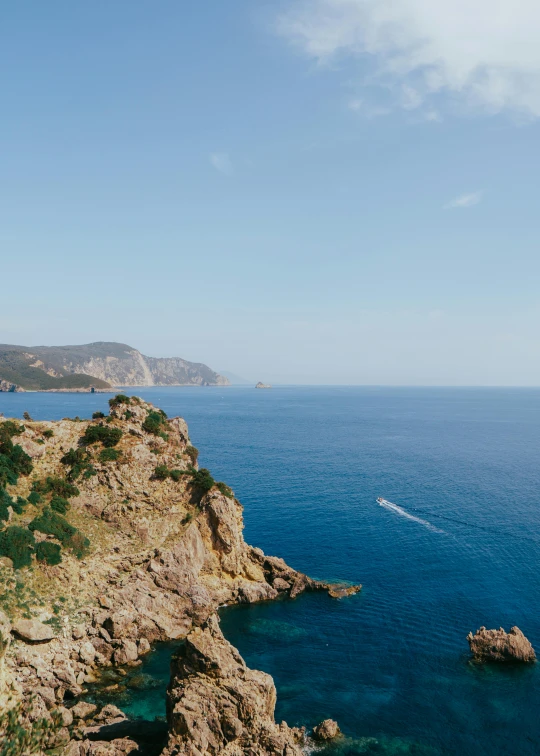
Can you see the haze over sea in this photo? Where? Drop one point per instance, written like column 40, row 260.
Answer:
column 392, row 663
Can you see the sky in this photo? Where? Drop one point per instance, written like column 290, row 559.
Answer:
column 320, row 191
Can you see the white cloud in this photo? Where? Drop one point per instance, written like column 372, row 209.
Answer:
column 485, row 54
column 464, row 201
column 221, row 162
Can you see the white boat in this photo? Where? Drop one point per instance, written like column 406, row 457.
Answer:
column 380, row 500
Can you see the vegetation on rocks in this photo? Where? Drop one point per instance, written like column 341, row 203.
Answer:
column 119, row 399
column 18, row 544
column 156, row 423
column 109, row 455
column 54, row 485
column 52, row 523
column 48, row 552
column 101, row 434
column 21, row 734
column 193, row 454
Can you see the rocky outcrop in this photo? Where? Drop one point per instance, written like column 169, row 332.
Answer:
column 32, row 631
column 164, row 554
column 261, row 385
column 9, row 386
column 499, row 646
column 326, row 730
column 217, row 705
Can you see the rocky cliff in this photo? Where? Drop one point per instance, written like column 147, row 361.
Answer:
column 105, row 362
column 113, row 539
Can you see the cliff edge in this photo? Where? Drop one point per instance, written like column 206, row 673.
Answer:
column 112, row 539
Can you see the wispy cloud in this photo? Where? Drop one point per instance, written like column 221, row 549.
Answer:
column 484, row 55
column 221, row 162
column 464, row 201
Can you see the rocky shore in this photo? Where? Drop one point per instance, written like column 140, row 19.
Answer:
column 125, row 542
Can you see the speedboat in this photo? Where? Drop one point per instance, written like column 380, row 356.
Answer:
column 380, row 500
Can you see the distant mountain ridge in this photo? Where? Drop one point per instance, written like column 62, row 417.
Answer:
column 101, row 364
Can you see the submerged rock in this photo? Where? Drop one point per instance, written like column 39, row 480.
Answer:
column 497, row 645
column 326, row 730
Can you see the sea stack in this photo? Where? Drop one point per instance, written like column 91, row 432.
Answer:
column 499, row 646
column 261, row 385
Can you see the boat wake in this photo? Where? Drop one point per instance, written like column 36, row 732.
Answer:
column 403, row 513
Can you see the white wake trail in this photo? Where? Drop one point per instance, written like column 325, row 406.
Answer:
column 398, row 510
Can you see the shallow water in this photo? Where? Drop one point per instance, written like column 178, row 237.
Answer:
column 391, row 664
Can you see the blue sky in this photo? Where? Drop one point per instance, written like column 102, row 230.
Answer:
column 335, row 191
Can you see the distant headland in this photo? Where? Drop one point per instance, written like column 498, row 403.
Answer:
column 98, row 366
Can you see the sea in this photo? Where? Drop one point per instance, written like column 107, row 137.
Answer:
column 455, row 547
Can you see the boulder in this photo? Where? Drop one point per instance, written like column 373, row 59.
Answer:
column 497, row 645
column 326, row 730
column 83, row 710
column 32, row 631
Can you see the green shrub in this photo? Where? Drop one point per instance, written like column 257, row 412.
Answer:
column 48, row 433
column 34, row 498
column 8, row 476
column 48, row 552
column 22, row 463
column 26, row 416
column 161, row 472
column 59, row 504
column 119, row 399
column 21, row 734
column 98, row 415
column 78, row 460
column 128, row 414
column 17, row 544
column 52, row 523
column 101, row 433
column 225, row 490
column 57, row 486
column 202, row 480
column 193, row 454
column 109, row 455
column 5, row 502
column 155, row 423
column 176, row 475
column 19, row 504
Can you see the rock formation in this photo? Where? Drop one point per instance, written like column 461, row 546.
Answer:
column 261, row 385
column 499, row 646
column 101, row 364
column 216, row 704
column 326, row 730
column 150, row 547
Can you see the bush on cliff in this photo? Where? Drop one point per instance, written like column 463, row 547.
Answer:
column 17, row 543
column 202, row 480
column 161, row 472
column 57, row 486
column 193, row 454
column 48, row 552
column 119, row 399
column 48, row 433
column 156, row 423
column 101, row 433
column 59, row 504
column 98, row 416
column 52, row 523
column 19, row 504
column 34, row 498
column 109, row 455
column 225, row 490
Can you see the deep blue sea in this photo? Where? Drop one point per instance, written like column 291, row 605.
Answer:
column 392, row 663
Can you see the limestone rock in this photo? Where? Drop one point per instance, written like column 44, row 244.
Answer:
column 83, row 710
column 33, row 631
column 497, row 645
column 326, row 730
column 216, row 703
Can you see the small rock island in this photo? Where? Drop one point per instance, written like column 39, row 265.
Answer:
column 499, row 646
column 261, row 385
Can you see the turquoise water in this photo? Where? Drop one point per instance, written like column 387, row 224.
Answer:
column 390, row 664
